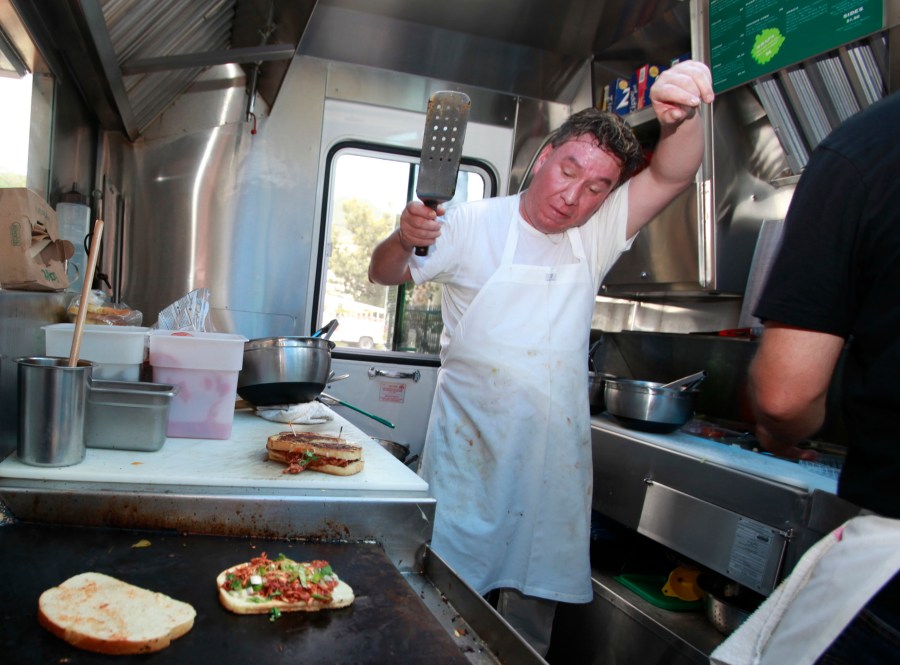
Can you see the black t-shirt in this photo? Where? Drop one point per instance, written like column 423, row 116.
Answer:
column 838, row 272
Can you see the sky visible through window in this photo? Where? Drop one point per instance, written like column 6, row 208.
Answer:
column 15, row 124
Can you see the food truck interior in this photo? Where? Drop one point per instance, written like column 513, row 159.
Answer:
column 254, row 151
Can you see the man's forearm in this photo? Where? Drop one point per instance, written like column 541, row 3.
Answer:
column 678, row 153
column 389, row 264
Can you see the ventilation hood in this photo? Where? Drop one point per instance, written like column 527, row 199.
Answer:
column 132, row 58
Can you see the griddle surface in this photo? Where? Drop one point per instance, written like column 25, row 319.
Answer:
column 388, row 622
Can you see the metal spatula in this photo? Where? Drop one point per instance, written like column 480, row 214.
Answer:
column 445, row 131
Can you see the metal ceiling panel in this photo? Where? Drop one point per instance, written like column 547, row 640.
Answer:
column 139, row 29
column 132, row 58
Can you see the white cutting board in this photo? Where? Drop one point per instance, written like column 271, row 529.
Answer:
column 236, row 462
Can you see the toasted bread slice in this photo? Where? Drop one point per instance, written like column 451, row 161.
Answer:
column 320, row 444
column 99, row 613
column 317, row 452
column 284, row 585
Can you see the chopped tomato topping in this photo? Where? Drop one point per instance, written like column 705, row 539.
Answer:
column 284, row 580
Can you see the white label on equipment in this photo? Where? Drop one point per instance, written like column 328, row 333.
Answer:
column 752, row 544
column 392, row 392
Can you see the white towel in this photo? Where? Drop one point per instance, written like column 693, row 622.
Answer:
column 829, row 585
column 308, row 413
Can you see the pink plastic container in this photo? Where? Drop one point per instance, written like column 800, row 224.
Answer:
column 205, row 367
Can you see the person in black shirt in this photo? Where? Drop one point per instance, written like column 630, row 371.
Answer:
column 835, row 283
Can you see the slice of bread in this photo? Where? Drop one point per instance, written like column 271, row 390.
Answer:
column 319, row 444
column 99, row 613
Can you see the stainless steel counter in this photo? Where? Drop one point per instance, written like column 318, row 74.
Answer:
column 228, row 488
column 745, row 515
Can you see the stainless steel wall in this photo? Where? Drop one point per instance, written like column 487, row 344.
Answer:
column 200, row 201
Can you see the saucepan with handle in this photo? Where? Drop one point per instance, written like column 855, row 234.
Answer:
column 648, row 405
column 284, row 370
column 330, row 400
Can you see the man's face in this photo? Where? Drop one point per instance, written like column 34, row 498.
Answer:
column 569, row 184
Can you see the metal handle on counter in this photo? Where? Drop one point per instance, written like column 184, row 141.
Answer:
column 415, row 376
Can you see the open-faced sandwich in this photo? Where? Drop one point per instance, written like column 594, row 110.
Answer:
column 316, row 452
column 266, row 586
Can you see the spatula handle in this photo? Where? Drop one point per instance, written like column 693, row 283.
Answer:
column 423, row 251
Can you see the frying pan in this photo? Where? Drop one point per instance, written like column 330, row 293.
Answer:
column 284, row 370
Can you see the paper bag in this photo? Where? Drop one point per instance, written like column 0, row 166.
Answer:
column 32, row 255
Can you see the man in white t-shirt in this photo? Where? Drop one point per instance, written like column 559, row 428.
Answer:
column 507, row 454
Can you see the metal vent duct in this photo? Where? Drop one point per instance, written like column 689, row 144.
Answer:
column 132, row 58
column 806, row 102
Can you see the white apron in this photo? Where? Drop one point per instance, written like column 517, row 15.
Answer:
column 508, row 454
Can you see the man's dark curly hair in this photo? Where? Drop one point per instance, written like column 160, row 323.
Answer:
column 612, row 134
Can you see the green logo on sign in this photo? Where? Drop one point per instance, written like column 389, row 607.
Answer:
column 767, row 45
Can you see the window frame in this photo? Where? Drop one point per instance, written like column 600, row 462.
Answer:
column 375, row 150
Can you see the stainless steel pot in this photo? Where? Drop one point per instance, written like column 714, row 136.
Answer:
column 647, row 406
column 727, row 604
column 596, row 389
column 284, row 370
column 398, row 450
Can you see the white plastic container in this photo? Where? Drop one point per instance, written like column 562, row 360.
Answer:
column 74, row 220
column 117, row 350
column 205, row 367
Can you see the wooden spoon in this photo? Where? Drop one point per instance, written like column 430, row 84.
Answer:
column 85, row 293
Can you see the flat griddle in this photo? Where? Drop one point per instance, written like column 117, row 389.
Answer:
column 388, row 622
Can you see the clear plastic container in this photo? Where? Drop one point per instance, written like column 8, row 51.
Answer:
column 205, row 367
column 118, row 351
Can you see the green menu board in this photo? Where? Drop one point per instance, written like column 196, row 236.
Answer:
column 750, row 38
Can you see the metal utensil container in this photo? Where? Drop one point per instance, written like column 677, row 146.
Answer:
column 128, row 415
column 52, row 403
column 724, row 616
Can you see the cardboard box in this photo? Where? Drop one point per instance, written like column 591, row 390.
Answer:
column 645, row 76
column 605, row 102
column 621, row 96
column 32, row 255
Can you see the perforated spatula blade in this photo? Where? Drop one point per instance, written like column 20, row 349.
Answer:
column 445, row 131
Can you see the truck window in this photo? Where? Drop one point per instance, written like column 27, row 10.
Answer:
column 15, row 126
column 366, row 190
